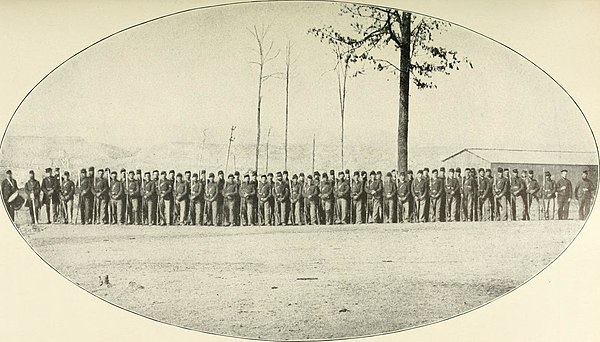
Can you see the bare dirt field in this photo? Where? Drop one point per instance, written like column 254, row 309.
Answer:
column 314, row 282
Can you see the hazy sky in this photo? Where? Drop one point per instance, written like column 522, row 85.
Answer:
column 169, row 79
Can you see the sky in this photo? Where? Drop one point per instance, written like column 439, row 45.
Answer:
column 170, row 79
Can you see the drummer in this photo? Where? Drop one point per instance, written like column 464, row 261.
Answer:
column 9, row 187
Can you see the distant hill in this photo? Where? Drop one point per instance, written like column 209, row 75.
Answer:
column 22, row 153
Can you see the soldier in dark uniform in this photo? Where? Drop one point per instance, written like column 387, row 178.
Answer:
column 389, row 198
column 182, row 196
column 50, row 199
column 452, row 190
column 501, row 194
column 564, row 192
column 526, row 197
column 86, row 197
column 254, row 210
column 230, row 196
column 301, row 220
column 342, row 196
column 281, row 193
column 58, row 181
column 101, row 197
column 461, row 205
column 327, row 198
column 236, row 206
column 584, row 192
column 132, row 187
column 211, row 195
column 150, row 198
column 549, row 195
column 265, row 199
column 427, row 178
column 468, row 194
column 33, row 189
column 436, row 189
column 442, row 201
column 220, row 199
column 67, row 192
column 164, row 190
column 9, row 187
column 307, row 183
column 247, row 201
column 295, row 201
column 421, row 195
column 312, row 199
column 117, row 193
column 490, row 178
column 404, row 198
column 411, row 205
column 518, row 193
column 534, row 193
column 196, row 201
column 369, row 196
column 357, row 192
column 484, row 197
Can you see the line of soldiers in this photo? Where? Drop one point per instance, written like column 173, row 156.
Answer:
column 166, row 198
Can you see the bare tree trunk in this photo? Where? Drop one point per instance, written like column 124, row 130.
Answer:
column 404, row 86
column 313, row 155
column 342, row 74
column 258, row 121
column 287, row 101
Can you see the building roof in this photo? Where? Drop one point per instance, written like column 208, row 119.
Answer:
column 531, row 156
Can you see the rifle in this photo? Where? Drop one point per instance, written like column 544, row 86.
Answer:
column 79, row 198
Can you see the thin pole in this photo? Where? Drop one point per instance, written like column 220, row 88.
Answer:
column 267, row 157
column 313, row 154
column 231, row 139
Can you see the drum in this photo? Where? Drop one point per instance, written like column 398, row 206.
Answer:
column 16, row 201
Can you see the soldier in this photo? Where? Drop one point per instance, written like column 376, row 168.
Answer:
column 301, row 220
column 411, row 204
column 490, row 178
column 526, row 197
column 67, row 192
column 468, row 195
column 101, row 197
column 33, row 189
column 484, row 197
column 164, row 189
column 501, row 193
column 281, row 193
column 50, row 198
column 442, row 201
column 327, row 198
column 533, row 192
column 452, row 190
column 86, row 197
column 427, row 178
column 220, row 199
column 436, row 190
column 247, row 201
column 460, row 206
column 295, row 201
column 307, row 218
column 230, row 197
column 254, row 211
column 357, row 193
column 389, row 198
column 365, row 200
column 342, row 196
column 518, row 193
column 564, row 192
column 333, row 181
column 370, row 183
column 584, row 192
column 196, row 200
column 181, row 200
column 312, row 200
column 421, row 195
column 58, row 180
column 211, row 195
column 404, row 198
column 549, row 189
column 117, row 192
column 150, row 198
column 133, row 199
column 265, row 200
column 9, row 187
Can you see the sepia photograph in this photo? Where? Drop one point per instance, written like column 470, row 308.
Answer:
column 298, row 170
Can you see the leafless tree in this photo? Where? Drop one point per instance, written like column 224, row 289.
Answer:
column 266, row 54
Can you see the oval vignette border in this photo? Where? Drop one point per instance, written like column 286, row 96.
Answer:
column 249, row 2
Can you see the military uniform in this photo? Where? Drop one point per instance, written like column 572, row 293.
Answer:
column 86, row 199
column 9, row 187
column 518, row 200
column 404, row 194
column 436, row 190
column 501, row 193
column 182, row 196
column 357, row 193
column 312, row 201
column 375, row 192
column 51, row 198
column 230, row 199
column 281, row 192
column 584, row 191
column 452, row 189
column 549, row 196
column 101, row 197
column 484, row 199
column 564, row 192
column 248, row 202
column 421, row 195
column 67, row 192
column 33, row 189
column 389, row 199
column 533, row 197
column 134, row 199
column 326, row 195
column 211, row 204
column 165, row 201
column 296, row 202
column 197, row 202
column 265, row 202
column 150, row 201
column 342, row 194
column 117, row 193
column 468, row 197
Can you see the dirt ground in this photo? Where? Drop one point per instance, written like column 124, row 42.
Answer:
column 314, row 282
